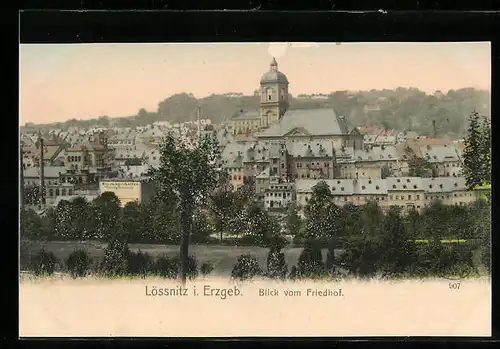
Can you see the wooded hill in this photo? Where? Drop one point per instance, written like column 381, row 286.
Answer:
column 401, row 109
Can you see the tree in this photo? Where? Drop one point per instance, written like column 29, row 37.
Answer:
column 419, row 167
column 485, row 150
column 106, row 216
column 385, row 171
column 80, row 218
column 261, row 225
column 477, row 152
column 63, row 220
column 293, row 221
column 226, row 206
column 397, row 250
column 132, row 224
column 189, row 174
column 202, row 227
column 316, row 226
column 32, row 224
column 311, row 260
column 434, row 220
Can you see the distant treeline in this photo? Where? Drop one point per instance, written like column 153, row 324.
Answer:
column 400, row 109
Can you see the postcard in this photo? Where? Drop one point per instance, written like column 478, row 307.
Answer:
column 255, row 189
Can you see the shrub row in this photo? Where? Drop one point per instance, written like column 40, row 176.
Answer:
column 116, row 262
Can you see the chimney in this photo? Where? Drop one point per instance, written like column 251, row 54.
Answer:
column 42, row 170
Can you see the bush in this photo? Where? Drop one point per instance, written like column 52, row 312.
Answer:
column 246, row 267
column 167, row 267
column 78, row 263
column 276, row 265
column 43, row 263
column 311, row 261
column 206, row 268
column 139, row 263
column 192, row 272
column 115, row 260
column 170, row 267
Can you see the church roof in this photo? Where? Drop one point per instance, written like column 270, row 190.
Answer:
column 321, row 121
column 273, row 76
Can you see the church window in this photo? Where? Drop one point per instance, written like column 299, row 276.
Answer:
column 269, row 93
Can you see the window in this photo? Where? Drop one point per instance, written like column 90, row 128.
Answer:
column 409, row 197
column 51, row 192
column 363, row 187
column 70, row 191
column 390, row 197
column 394, row 186
column 57, row 192
column 63, row 192
column 414, row 186
column 418, row 196
column 342, row 188
column 377, row 187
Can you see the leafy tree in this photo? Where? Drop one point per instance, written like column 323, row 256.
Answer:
column 318, row 223
column 32, row 225
column 63, row 220
column 413, row 222
column 190, row 175
column 263, row 227
column 398, row 253
column 31, row 194
column 80, row 218
column 419, row 167
column 434, row 220
column 161, row 221
column 293, row 221
column 202, row 227
column 132, row 224
column 106, row 216
column 224, row 204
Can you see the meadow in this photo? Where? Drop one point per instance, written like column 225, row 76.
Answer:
column 223, row 258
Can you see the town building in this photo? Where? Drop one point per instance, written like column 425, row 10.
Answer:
column 139, row 189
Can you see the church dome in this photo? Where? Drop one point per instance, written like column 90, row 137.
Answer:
column 273, row 75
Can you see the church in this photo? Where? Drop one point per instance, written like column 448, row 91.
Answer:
column 275, row 122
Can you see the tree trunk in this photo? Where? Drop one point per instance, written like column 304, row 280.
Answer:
column 186, row 219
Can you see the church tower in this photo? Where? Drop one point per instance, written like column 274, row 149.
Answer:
column 273, row 95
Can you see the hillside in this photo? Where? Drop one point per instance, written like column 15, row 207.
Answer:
column 401, row 109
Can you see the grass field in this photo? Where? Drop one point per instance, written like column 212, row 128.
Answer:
column 222, row 257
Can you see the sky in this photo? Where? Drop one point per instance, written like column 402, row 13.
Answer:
column 59, row 82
